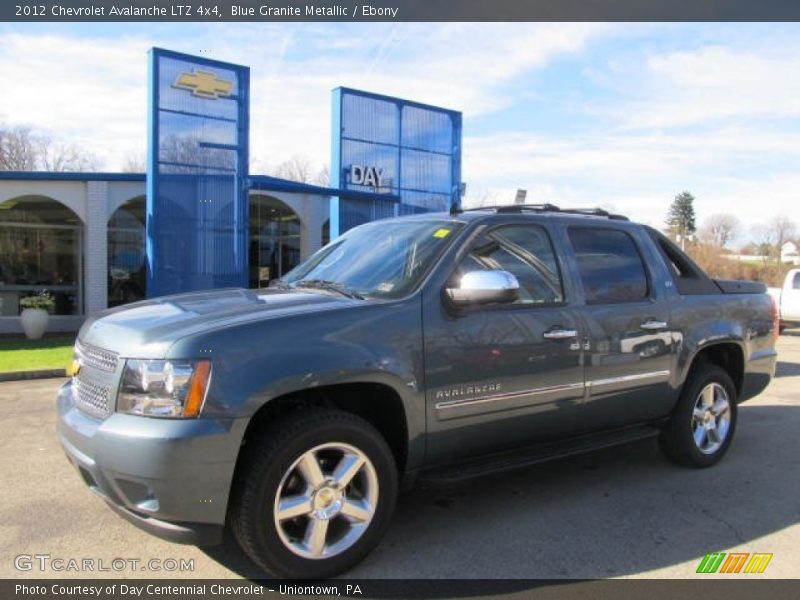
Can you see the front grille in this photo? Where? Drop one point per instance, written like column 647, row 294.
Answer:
column 90, row 397
column 105, row 360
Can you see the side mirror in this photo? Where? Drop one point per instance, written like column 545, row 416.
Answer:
column 485, row 287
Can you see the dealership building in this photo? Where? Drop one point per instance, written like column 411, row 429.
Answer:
column 198, row 219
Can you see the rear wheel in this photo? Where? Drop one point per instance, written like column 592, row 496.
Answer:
column 314, row 494
column 702, row 427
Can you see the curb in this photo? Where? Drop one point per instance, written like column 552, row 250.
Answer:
column 38, row 374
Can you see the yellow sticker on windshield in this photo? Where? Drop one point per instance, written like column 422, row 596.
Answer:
column 441, row 233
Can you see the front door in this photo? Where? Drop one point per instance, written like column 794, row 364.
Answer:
column 505, row 374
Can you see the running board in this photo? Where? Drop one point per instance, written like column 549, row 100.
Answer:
column 532, row 455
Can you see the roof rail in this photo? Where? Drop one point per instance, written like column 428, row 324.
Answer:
column 518, row 208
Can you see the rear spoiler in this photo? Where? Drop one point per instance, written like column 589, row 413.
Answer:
column 735, row 286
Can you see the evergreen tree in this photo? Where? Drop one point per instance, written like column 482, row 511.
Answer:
column 681, row 217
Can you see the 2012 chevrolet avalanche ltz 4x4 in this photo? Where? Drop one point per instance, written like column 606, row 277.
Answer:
column 437, row 346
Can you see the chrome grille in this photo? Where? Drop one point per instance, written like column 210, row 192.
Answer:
column 90, row 397
column 105, row 360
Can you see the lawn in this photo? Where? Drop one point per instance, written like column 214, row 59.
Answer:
column 27, row 355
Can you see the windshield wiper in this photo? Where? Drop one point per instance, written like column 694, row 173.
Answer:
column 324, row 284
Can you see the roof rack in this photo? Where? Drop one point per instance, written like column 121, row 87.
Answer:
column 518, row 208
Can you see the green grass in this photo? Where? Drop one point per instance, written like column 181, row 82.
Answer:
column 28, row 355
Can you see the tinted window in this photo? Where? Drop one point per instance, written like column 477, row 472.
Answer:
column 796, row 281
column 609, row 265
column 526, row 252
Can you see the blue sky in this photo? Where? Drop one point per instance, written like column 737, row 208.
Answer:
column 616, row 115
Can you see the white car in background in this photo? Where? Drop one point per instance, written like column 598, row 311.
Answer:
column 787, row 299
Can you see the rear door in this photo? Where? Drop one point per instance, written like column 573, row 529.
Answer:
column 629, row 347
column 503, row 375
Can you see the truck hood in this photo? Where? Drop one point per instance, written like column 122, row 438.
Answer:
column 147, row 329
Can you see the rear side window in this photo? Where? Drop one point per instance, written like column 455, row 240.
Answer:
column 609, row 265
column 796, row 281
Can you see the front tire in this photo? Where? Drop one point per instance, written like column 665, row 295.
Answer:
column 314, row 494
column 701, row 429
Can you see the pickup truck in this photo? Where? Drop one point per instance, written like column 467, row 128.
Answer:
column 434, row 347
column 787, row 300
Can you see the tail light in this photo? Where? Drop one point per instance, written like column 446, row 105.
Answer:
column 776, row 319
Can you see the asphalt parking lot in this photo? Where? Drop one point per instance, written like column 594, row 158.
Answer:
column 623, row 512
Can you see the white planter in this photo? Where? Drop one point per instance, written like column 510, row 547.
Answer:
column 34, row 322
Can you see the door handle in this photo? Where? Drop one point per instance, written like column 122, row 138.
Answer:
column 652, row 325
column 560, row 334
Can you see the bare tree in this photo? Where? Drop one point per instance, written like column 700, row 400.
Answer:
column 56, row 156
column 296, row 168
column 300, row 168
column 21, row 149
column 720, row 229
column 134, row 163
column 18, row 149
column 323, row 177
column 772, row 236
column 783, row 230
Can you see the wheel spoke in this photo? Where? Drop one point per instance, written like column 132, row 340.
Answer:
column 316, row 532
column 293, row 506
column 719, row 407
column 698, row 414
column 356, row 510
column 348, row 466
column 708, row 396
column 713, row 435
column 311, row 471
column 700, row 436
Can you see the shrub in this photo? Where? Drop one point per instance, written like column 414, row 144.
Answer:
column 41, row 300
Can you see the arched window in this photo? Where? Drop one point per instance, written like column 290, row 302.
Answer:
column 126, row 253
column 274, row 247
column 40, row 249
column 326, row 232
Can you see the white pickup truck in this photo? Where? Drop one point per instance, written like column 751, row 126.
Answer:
column 787, row 300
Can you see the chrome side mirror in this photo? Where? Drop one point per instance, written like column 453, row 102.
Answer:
column 485, row 287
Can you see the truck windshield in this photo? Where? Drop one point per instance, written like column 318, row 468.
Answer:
column 384, row 259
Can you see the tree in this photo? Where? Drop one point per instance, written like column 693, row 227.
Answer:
column 771, row 236
column 60, row 157
column 18, row 149
column 681, row 217
column 134, row 163
column 782, row 230
column 21, row 149
column 299, row 168
column 720, row 229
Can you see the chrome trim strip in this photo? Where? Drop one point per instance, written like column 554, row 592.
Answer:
column 508, row 395
column 549, row 389
column 626, row 378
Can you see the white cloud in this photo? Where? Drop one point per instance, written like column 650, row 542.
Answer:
column 92, row 91
column 639, row 174
column 706, row 85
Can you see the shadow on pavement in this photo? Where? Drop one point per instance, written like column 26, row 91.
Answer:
column 787, row 369
column 617, row 512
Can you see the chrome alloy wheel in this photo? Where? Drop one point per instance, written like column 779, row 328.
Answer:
column 326, row 500
column 711, row 418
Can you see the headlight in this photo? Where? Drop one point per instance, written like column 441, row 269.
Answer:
column 164, row 388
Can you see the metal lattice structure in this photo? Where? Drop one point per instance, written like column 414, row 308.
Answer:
column 197, row 168
column 391, row 146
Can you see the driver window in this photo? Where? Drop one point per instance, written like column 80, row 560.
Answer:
column 524, row 251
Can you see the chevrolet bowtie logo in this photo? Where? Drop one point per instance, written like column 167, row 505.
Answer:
column 204, row 84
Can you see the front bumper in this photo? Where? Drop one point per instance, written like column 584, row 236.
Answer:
column 170, row 477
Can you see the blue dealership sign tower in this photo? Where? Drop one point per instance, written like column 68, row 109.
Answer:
column 387, row 145
column 197, row 221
